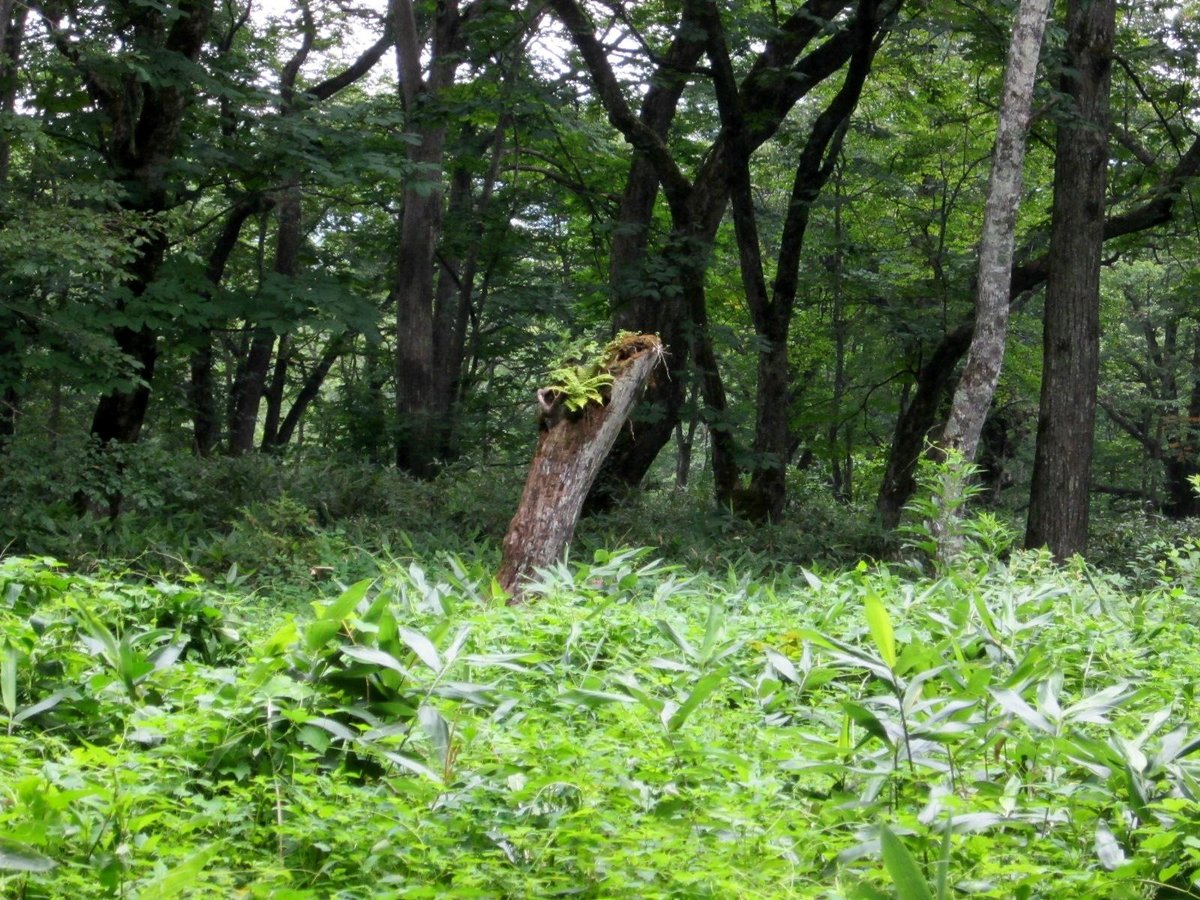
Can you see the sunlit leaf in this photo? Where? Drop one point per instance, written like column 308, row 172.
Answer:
column 16, row 857
column 422, row 646
column 902, row 867
column 880, row 625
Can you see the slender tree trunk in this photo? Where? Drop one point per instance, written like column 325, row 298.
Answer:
column 570, row 451
column 274, row 393
column 250, row 383
column 416, row 410
column 917, row 424
column 12, row 26
column 685, row 440
column 12, row 32
column 121, row 413
column 202, row 395
column 202, row 399
column 311, row 388
column 765, row 497
column 1060, row 497
column 841, row 477
column 973, row 396
column 981, row 372
column 143, row 119
column 419, row 404
column 697, row 206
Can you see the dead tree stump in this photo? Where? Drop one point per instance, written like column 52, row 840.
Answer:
column 570, row 450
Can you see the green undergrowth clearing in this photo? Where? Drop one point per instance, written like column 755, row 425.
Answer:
column 637, row 729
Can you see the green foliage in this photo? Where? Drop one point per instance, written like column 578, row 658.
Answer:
column 581, row 376
column 1009, row 729
column 946, row 528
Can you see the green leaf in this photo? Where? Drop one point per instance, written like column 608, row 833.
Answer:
column 1012, row 702
column 42, row 705
column 176, row 880
column 1108, row 850
column 591, row 699
column 867, row 719
column 668, row 631
column 942, row 887
column 374, row 657
column 15, row 857
column 335, row 728
column 438, row 730
column 712, row 631
column 8, row 679
column 783, row 666
column 422, row 646
column 880, row 624
column 329, row 620
column 906, row 874
column 703, row 688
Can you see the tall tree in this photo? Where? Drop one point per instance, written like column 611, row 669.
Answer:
column 139, row 133
column 417, row 409
column 919, row 418
column 661, row 289
column 772, row 313
column 250, row 381
column 1060, row 497
column 981, row 372
column 12, row 28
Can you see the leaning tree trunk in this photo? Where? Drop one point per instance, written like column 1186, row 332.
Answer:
column 570, row 450
column 981, row 372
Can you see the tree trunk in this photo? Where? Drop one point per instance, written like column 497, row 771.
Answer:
column 786, row 69
column 416, row 411
column 273, row 395
column 120, row 414
column 202, row 399
column 570, row 451
column 12, row 32
column 142, row 121
column 981, row 372
column 417, row 400
column 248, row 386
column 251, row 382
column 916, row 426
column 918, row 420
column 310, row 389
column 973, row 396
column 1059, row 499
column 12, row 26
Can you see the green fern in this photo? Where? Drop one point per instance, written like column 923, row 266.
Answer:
column 579, row 385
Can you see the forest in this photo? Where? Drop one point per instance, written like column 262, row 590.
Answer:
column 674, row 448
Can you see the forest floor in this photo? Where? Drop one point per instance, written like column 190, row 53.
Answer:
column 220, row 715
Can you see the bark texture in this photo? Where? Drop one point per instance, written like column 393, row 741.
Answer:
column 12, row 25
column 570, row 451
column 973, row 397
column 1059, row 498
column 417, row 407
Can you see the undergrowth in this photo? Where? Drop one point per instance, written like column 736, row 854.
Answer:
column 638, row 729
column 298, row 680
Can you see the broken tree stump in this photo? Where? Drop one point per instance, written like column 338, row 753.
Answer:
column 572, row 446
